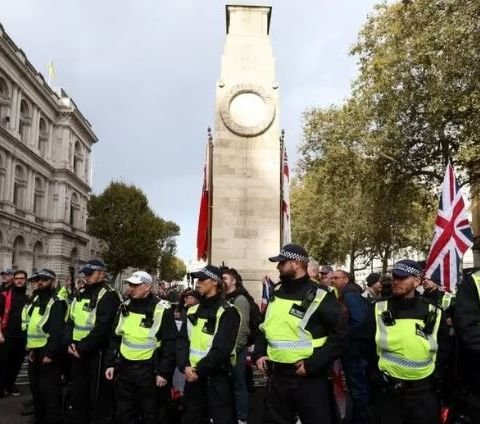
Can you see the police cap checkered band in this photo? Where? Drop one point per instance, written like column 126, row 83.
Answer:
column 292, row 252
column 207, row 272
column 91, row 266
column 45, row 274
column 406, row 268
column 140, row 277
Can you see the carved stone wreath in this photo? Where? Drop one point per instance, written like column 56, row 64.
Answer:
column 238, row 128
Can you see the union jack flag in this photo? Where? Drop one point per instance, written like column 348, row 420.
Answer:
column 453, row 235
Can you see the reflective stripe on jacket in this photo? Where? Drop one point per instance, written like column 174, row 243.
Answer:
column 404, row 350
column 200, row 339
column 139, row 341
column 83, row 316
column 288, row 339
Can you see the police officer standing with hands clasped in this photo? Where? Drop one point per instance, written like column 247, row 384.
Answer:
column 92, row 313
column 44, row 321
column 407, row 348
column 206, row 352
column 142, row 351
column 303, row 332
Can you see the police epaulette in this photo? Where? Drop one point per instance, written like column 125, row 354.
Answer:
column 328, row 289
column 381, row 299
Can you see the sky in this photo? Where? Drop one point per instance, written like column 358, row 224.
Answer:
column 143, row 72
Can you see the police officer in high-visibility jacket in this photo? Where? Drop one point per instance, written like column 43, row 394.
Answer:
column 304, row 330
column 89, row 327
column 44, row 321
column 142, row 351
column 407, row 349
column 467, row 326
column 206, row 352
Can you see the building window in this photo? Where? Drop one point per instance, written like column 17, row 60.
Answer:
column 42, row 137
column 77, row 159
column 74, row 210
column 19, row 187
column 38, row 196
column 37, row 252
column 3, row 172
column 18, row 248
column 25, row 121
column 4, row 103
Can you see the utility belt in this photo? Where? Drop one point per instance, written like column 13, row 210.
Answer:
column 127, row 363
column 280, row 369
column 395, row 385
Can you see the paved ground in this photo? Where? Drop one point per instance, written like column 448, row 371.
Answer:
column 10, row 407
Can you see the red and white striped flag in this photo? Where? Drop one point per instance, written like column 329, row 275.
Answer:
column 453, row 235
column 203, row 216
column 286, row 231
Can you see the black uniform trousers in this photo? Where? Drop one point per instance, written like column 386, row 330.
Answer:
column 91, row 396
column 290, row 396
column 136, row 393
column 12, row 355
column 209, row 398
column 46, row 388
column 417, row 403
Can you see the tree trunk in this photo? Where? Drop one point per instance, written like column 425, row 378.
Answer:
column 385, row 258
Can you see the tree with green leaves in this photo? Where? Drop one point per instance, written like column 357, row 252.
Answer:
column 132, row 235
column 418, row 86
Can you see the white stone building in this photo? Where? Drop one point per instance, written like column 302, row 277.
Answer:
column 45, row 146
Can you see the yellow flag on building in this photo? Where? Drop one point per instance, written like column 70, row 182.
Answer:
column 52, row 74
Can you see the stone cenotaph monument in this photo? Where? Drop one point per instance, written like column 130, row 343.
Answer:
column 246, row 157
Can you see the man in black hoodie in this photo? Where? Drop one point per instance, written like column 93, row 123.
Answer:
column 44, row 321
column 12, row 338
column 206, row 352
column 303, row 332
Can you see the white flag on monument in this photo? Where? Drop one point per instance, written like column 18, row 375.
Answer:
column 286, row 232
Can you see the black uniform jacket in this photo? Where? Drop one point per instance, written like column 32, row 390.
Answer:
column 107, row 308
column 164, row 357
column 328, row 320
column 400, row 308
column 467, row 326
column 218, row 357
column 55, row 324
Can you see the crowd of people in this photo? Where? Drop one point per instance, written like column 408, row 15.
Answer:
column 402, row 349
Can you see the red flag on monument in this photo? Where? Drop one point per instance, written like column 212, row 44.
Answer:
column 203, row 216
column 286, row 232
column 453, row 234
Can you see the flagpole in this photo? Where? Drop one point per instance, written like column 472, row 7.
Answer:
column 282, row 147
column 210, row 195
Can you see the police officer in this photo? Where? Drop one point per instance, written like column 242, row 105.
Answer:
column 92, row 313
column 142, row 351
column 303, row 332
column 206, row 352
column 407, row 351
column 467, row 325
column 44, row 321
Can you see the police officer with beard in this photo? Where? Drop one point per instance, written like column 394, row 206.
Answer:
column 303, row 332
column 91, row 317
column 407, row 349
column 44, row 321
